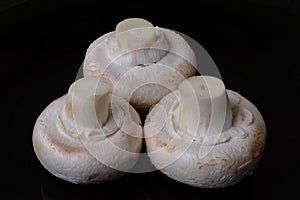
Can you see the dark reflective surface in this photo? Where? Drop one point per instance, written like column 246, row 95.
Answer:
column 255, row 45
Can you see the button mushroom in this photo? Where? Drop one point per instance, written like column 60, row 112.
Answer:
column 88, row 135
column 204, row 135
column 144, row 62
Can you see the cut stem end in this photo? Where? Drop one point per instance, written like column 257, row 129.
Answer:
column 88, row 102
column 204, row 106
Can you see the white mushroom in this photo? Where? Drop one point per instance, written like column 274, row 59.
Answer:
column 88, row 135
column 144, row 62
column 204, row 135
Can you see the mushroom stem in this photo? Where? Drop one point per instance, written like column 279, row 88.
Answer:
column 135, row 32
column 87, row 103
column 145, row 43
column 204, row 106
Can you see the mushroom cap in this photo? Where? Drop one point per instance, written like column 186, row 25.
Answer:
column 142, row 84
column 209, row 162
column 67, row 155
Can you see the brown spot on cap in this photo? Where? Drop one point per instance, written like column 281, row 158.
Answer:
column 159, row 143
column 95, row 178
column 202, row 87
column 171, row 149
column 209, row 164
column 258, row 144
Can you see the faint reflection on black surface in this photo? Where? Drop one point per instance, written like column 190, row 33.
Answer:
column 53, row 188
column 153, row 185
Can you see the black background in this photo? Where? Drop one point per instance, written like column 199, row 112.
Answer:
column 255, row 45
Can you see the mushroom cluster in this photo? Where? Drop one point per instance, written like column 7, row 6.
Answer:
column 196, row 131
